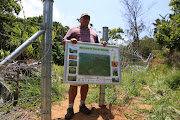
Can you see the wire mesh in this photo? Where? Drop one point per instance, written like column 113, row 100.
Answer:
column 132, row 65
column 21, row 74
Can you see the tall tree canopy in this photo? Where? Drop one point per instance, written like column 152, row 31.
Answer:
column 168, row 30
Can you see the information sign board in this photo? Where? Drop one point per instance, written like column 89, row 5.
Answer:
column 91, row 63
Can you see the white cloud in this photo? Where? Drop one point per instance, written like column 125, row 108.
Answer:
column 57, row 16
column 31, row 8
column 34, row 8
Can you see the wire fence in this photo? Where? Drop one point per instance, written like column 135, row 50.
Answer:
column 132, row 65
column 20, row 75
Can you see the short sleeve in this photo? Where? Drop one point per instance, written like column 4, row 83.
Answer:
column 68, row 35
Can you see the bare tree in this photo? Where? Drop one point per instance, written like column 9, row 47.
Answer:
column 133, row 14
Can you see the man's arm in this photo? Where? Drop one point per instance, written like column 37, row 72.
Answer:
column 64, row 41
column 102, row 42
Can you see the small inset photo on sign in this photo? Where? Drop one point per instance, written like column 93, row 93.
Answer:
column 114, row 64
column 72, row 70
column 74, row 57
column 71, row 50
column 71, row 78
column 115, row 79
column 72, row 63
column 115, row 71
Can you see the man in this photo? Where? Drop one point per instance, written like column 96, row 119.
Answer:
column 84, row 34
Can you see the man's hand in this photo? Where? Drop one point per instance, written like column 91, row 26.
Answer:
column 104, row 43
column 73, row 40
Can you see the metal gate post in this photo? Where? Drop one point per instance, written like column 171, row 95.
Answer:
column 46, row 60
column 102, row 87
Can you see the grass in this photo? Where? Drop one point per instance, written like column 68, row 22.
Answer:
column 30, row 89
column 159, row 86
column 93, row 94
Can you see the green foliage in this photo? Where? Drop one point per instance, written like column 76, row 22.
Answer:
column 173, row 81
column 115, row 33
column 7, row 10
column 146, row 45
column 175, row 4
column 58, row 53
column 57, row 71
column 19, row 28
column 164, row 82
column 9, row 6
column 31, row 88
column 1, row 53
column 93, row 94
column 168, row 30
column 175, row 59
column 58, row 90
column 57, row 48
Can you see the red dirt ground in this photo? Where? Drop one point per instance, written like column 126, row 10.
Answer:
column 108, row 112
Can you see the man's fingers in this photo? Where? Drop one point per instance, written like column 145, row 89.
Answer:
column 73, row 41
column 104, row 43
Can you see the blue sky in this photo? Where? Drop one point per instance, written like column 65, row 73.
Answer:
column 103, row 12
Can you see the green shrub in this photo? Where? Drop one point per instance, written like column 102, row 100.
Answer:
column 175, row 58
column 1, row 53
column 58, row 90
column 173, row 80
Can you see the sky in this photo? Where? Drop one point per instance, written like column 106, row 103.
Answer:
column 103, row 13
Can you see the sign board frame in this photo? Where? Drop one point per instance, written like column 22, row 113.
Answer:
column 91, row 63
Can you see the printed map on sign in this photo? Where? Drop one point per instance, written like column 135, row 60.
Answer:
column 91, row 63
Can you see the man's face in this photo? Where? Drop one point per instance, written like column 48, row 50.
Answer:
column 85, row 21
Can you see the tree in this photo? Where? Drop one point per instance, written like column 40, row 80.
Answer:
column 147, row 44
column 115, row 34
column 168, row 33
column 17, row 27
column 57, row 47
column 159, row 22
column 7, row 10
column 133, row 15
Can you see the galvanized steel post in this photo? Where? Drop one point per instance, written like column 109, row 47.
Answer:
column 46, row 60
column 102, row 87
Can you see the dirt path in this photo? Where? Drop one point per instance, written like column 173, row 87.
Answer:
column 98, row 113
column 108, row 112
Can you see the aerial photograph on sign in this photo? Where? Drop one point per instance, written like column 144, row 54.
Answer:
column 94, row 64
